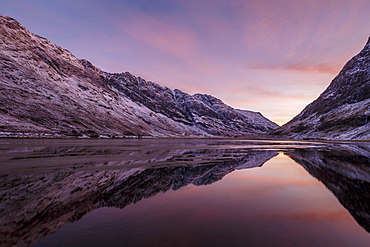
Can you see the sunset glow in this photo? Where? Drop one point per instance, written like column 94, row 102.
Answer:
column 270, row 56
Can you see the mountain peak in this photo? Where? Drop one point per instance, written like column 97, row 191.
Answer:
column 11, row 23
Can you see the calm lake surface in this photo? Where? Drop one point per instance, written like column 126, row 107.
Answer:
column 184, row 192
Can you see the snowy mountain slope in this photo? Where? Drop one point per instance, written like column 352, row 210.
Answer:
column 342, row 111
column 46, row 90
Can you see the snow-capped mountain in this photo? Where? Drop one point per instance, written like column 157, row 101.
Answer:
column 46, row 90
column 342, row 111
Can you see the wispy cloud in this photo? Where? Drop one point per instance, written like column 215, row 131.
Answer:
column 302, row 67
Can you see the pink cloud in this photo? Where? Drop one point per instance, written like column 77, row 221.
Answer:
column 169, row 41
column 303, row 67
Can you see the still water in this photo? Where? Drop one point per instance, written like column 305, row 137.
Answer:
column 184, row 192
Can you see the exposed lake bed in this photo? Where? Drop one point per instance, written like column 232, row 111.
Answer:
column 182, row 192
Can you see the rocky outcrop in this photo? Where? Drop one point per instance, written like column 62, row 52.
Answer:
column 342, row 111
column 46, row 91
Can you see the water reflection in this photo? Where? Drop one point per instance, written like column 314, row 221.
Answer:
column 45, row 184
column 38, row 199
column 345, row 171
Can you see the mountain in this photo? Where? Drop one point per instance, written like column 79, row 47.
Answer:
column 46, row 91
column 342, row 111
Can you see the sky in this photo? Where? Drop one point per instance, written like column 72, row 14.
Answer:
column 270, row 56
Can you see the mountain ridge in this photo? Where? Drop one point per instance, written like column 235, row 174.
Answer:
column 47, row 91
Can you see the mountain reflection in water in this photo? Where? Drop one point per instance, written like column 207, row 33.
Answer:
column 46, row 184
column 345, row 172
